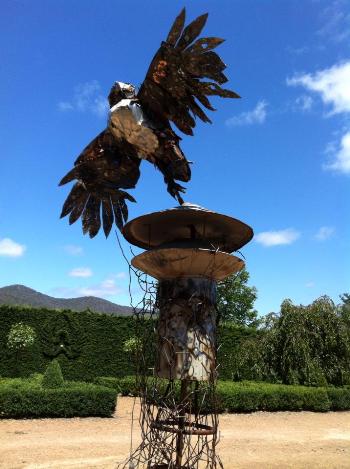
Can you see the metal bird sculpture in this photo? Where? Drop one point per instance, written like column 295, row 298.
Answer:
column 139, row 128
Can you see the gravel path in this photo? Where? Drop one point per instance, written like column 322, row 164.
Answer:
column 258, row 440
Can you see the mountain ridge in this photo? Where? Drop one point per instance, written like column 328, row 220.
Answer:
column 21, row 295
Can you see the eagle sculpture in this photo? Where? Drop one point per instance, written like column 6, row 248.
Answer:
column 182, row 74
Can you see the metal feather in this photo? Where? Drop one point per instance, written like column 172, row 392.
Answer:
column 78, row 209
column 91, row 217
column 191, row 31
column 204, row 44
column 176, row 28
column 74, row 195
column 107, row 216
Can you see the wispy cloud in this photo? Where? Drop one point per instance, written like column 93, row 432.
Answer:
column 107, row 288
column 297, row 50
column 277, row 238
column 339, row 155
column 81, row 272
column 336, row 21
column 303, row 103
column 104, row 289
column 333, row 86
column 331, row 83
column 310, row 284
column 256, row 116
column 87, row 97
column 324, row 233
column 73, row 250
column 10, row 248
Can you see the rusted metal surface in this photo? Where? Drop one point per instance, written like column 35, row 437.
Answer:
column 183, row 74
column 186, row 329
column 190, row 428
column 188, row 223
column 170, row 263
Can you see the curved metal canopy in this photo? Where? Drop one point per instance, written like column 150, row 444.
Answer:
column 188, row 224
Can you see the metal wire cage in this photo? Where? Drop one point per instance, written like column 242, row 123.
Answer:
column 178, row 417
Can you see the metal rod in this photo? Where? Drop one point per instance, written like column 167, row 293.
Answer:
column 182, row 420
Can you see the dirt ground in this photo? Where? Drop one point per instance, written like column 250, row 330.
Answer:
column 258, row 440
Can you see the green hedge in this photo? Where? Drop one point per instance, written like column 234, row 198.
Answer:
column 93, row 344
column 27, row 399
column 126, row 385
column 250, row 396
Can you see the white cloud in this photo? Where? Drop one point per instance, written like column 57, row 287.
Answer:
column 297, row 50
column 73, row 249
column 10, row 248
column 336, row 17
column 256, row 116
column 107, row 287
column 87, row 98
column 333, row 86
column 120, row 275
column 104, row 289
column 276, row 238
column 331, row 83
column 303, row 103
column 81, row 272
column 310, row 284
column 340, row 156
column 324, row 233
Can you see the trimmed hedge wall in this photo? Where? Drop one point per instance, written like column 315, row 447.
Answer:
column 23, row 399
column 88, row 344
column 256, row 396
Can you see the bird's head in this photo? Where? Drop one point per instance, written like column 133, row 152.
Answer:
column 121, row 91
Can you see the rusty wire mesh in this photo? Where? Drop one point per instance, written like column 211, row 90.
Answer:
column 178, row 418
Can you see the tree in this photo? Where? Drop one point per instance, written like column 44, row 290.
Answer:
column 344, row 308
column 236, row 300
column 309, row 345
column 20, row 337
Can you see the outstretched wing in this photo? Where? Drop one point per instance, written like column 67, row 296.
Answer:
column 101, row 171
column 175, row 84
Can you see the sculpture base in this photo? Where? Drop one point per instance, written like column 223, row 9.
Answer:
column 186, row 329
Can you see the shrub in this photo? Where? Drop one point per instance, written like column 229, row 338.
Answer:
column 29, row 400
column 339, row 398
column 53, row 377
column 126, row 386
column 20, row 336
column 248, row 396
column 132, row 345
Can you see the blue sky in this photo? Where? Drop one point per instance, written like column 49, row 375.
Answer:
column 278, row 159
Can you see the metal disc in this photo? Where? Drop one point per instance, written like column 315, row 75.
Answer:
column 188, row 223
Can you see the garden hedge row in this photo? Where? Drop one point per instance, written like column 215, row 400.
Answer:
column 22, row 400
column 251, row 396
column 88, row 344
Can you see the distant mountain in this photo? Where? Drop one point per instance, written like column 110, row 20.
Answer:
column 21, row 295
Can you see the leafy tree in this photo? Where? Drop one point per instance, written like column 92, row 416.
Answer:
column 236, row 300
column 20, row 337
column 309, row 345
column 344, row 308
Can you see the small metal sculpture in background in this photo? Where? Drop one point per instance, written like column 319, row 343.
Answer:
column 139, row 128
column 187, row 250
